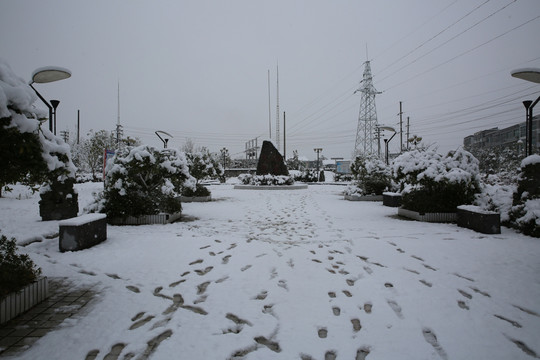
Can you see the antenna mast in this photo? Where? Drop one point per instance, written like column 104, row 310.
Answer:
column 277, row 112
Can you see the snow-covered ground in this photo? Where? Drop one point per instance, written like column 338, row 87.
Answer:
column 290, row 275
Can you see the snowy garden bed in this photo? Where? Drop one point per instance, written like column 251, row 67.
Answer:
column 20, row 301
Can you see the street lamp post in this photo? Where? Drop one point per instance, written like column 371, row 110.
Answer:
column 532, row 75
column 46, row 75
column 387, row 141
column 55, row 104
column 165, row 141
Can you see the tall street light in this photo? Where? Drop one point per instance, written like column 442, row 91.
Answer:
column 166, row 140
column 533, row 75
column 49, row 74
column 387, row 141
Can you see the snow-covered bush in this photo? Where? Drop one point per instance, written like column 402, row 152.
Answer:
column 525, row 213
column 372, row 175
column 30, row 154
column 496, row 197
column 258, row 180
column 144, row 181
column 305, row 176
column 16, row 270
column 430, row 182
column 202, row 166
column 353, row 189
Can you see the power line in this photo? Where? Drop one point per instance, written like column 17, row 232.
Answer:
column 464, row 53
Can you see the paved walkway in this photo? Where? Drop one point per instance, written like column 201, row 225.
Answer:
column 20, row 333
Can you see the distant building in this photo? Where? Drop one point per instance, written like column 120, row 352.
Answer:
column 512, row 136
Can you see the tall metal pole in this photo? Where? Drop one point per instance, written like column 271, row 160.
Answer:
column 400, row 128
column 284, row 141
column 48, row 105
column 277, row 111
column 269, row 111
column 407, row 133
column 78, row 125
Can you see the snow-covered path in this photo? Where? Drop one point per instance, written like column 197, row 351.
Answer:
column 297, row 275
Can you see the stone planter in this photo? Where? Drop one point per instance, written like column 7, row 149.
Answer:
column 364, row 197
column 189, row 199
column 474, row 218
column 145, row 219
column 427, row 217
column 18, row 302
column 391, row 199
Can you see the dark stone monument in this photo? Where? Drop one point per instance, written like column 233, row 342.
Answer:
column 60, row 202
column 271, row 162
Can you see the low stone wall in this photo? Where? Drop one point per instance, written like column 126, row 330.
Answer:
column 474, row 218
column 363, row 197
column 427, row 217
column 82, row 232
column 146, row 219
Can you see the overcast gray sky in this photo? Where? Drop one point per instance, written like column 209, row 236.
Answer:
column 198, row 69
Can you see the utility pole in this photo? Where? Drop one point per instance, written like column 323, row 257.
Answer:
column 65, row 135
column 78, row 125
column 378, row 138
column 400, row 128
column 284, row 140
column 317, row 150
column 407, row 133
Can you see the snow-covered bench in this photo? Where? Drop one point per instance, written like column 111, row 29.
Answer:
column 477, row 219
column 82, row 232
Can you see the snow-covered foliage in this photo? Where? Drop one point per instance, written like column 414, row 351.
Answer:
column 430, row 182
column 31, row 154
column 496, row 197
column 144, row 181
column 248, row 179
column 305, row 176
column 372, row 175
column 353, row 189
column 525, row 212
column 202, row 166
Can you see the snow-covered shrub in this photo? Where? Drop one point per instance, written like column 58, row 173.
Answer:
column 372, row 175
column 496, row 197
column 30, row 154
column 258, row 180
column 202, row 166
column 16, row 270
column 343, row 177
column 353, row 189
column 525, row 213
column 306, row 176
column 430, row 182
column 144, row 181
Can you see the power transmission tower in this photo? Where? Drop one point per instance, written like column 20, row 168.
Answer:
column 366, row 140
